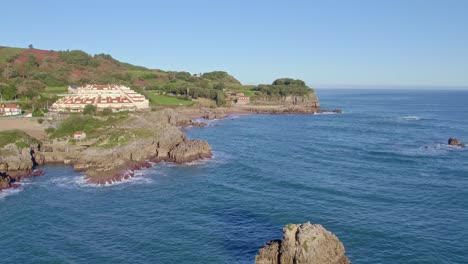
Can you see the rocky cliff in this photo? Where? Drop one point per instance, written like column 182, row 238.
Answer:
column 283, row 104
column 304, row 243
column 153, row 136
column 18, row 158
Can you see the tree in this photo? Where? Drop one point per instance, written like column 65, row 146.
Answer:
column 75, row 57
column 9, row 92
column 31, row 46
column 32, row 61
column 9, row 72
column 219, row 86
column 220, row 98
column 89, row 110
column 107, row 112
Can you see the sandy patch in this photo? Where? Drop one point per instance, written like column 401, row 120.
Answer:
column 28, row 125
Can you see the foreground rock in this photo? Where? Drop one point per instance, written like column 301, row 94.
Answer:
column 18, row 158
column 456, row 143
column 190, row 150
column 216, row 113
column 304, row 243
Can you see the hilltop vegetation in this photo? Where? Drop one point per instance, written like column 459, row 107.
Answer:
column 36, row 77
column 284, row 87
column 17, row 137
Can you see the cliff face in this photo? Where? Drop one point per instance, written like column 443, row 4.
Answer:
column 310, row 100
column 104, row 164
column 304, row 243
column 284, row 104
column 18, row 158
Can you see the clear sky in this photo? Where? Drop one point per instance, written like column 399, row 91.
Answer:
column 325, row 43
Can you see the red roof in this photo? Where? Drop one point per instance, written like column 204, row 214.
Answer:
column 10, row 106
column 78, row 132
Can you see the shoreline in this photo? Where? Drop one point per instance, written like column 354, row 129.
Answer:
column 195, row 119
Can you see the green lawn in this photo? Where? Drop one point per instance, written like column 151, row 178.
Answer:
column 6, row 52
column 52, row 91
column 18, row 137
column 167, row 100
column 56, row 89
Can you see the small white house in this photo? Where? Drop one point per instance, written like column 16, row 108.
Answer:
column 10, row 110
column 79, row 135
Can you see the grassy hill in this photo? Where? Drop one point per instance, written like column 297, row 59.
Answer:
column 35, row 78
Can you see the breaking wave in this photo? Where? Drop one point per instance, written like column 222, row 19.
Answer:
column 412, row 118
column 9, row 192
column 81, row 182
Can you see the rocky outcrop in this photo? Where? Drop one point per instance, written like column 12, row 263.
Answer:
column 160, row 139
column 15, row 159
column 107, row 165
column 190, row 150
column 304, row 243
column 285, row 104
column 5, row 181
column 454, row 142
column 215, row 113
column 18, row 161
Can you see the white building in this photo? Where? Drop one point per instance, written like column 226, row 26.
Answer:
column 10, row 110
column 115, row 97
column 79, row 135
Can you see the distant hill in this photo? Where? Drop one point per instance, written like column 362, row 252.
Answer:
column 75, row 67
column 35, row 77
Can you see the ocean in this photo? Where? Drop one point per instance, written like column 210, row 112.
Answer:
column 380, row 176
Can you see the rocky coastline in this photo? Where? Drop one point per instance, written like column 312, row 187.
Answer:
column 105, row 165
column 167, row 142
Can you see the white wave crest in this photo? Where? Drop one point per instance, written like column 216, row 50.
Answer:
column 80, row 181
column 439, row 148
column 8, row 192
column 412, row 118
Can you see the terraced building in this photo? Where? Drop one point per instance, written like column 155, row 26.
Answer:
column 115, row 97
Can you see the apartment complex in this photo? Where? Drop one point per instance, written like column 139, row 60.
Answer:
column 115, row 97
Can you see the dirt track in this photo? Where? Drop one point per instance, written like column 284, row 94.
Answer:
column 28, row 125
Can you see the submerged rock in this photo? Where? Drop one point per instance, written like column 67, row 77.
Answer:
column 456, row 143
column 304, row 243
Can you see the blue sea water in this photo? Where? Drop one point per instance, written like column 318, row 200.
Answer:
column 379, row 176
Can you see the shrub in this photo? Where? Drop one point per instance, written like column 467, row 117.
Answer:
column 89, row 110
column 106, row 112
column 77, row 123
column 77, row 57
column 49, row 130
column 37, row 113
column 40, row 120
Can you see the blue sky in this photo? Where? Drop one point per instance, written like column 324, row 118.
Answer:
column 326, row 43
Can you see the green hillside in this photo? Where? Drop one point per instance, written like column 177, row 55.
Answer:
column 35, row 78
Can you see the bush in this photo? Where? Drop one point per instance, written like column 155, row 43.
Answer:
column 77, row 123
column 89, row 110
column 40, row 120
column 106, row 112
column 77, row 57
column 49, row 130
column 37, row 113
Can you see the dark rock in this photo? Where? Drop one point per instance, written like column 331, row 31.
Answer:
column 456, row 143
column 5, row 181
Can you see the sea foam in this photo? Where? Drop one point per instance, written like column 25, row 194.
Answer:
column 412, row 118
column 8, row 192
